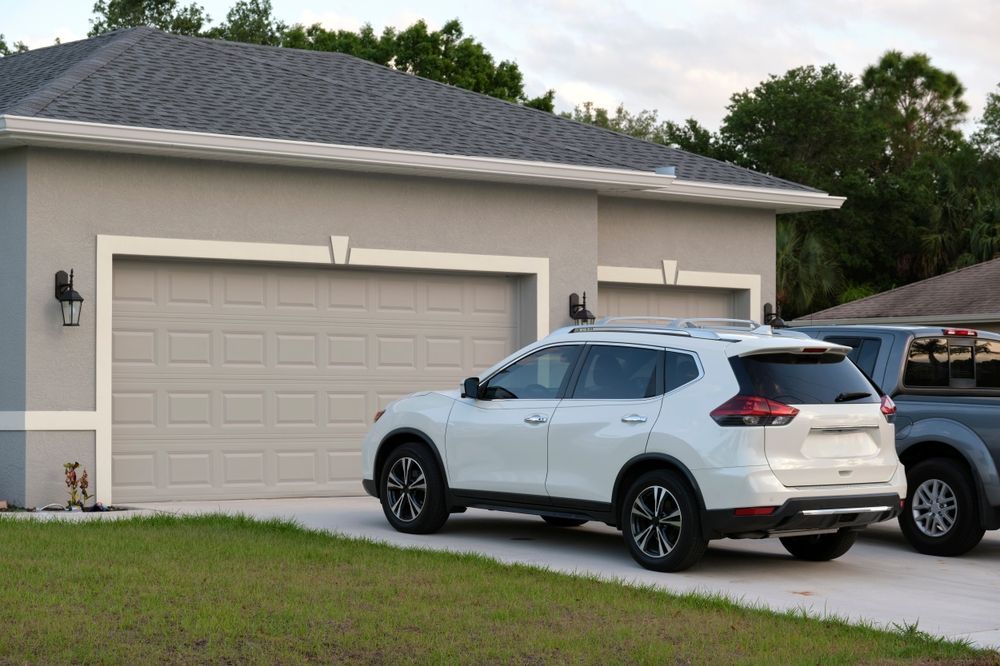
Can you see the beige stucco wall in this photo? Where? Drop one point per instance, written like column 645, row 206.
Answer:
column 70, row 197
column 74, row 196
column 642, row 233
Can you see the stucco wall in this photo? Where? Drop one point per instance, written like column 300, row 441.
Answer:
column 13, row 215
column 74, row 196
column 642, row 234
column 70, row 197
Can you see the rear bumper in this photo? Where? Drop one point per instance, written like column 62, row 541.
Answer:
column 803, row 516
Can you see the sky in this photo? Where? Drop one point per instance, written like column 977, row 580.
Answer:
column 682, row 59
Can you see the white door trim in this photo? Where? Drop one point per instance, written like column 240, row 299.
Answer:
column 668, row 275
column 336, row 252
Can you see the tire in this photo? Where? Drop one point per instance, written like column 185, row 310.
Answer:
column 559, row 521
column 941, row 514
column 673, row 542
column 820, row 547
column 411, row 490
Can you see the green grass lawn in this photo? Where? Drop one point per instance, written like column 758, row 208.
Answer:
column 231, row 590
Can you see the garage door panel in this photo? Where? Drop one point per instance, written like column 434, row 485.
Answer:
column 231, row 381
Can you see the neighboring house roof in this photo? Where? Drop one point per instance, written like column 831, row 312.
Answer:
column 969, row 294
column 141, row 77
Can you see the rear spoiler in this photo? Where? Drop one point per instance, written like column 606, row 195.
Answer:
column 803, row 347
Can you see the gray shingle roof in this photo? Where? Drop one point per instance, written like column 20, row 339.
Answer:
column 968, row 291
column 146, row 78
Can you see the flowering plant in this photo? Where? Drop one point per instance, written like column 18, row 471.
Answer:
column 77, row 486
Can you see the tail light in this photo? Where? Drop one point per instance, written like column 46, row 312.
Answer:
column 968, row 332
column 756, row 511
column 743, row 410
column 378, row 415
column 888, row 408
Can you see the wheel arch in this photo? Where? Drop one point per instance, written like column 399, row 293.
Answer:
column 974, row 458
column 647, row 462
column 396, row 438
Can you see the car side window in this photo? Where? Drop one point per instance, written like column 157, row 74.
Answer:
column 864, row 351
column 988, row 364
column 537, row 376
column 612, row 372
column 681, row 369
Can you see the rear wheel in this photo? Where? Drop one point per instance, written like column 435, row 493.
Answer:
column 660, row 522
column 941, row 516
column 559, row 521
column 820, row 547
column 412, row 491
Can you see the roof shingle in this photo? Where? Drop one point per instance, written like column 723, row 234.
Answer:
column 142, row 77
column 967, row 291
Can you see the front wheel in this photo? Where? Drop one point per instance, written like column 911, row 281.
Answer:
column 820, row 547
column 412, row 491
column 660, row 522
column 940, row 516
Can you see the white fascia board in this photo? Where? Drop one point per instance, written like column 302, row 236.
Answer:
column 99, row 136
column 20, row 130
column 780, row 201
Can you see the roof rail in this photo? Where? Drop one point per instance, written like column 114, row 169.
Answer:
column 648, row 329
column 712, row 323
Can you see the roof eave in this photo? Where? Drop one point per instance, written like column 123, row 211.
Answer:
column 980, row 318
column 21, row 130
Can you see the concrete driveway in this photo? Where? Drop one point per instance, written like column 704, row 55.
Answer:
column 879, row 580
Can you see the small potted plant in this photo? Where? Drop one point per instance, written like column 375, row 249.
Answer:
column 77, row 487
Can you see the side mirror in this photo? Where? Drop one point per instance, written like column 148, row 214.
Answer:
column 470, row 388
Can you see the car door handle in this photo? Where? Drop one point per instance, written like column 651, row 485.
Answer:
column 536, row 418
column 634, row 418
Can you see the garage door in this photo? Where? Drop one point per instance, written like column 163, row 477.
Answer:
column 653, row 301
column 237, row 381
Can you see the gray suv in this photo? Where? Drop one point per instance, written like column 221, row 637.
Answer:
column 946, row 386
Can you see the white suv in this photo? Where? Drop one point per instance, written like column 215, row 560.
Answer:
column 673, row 432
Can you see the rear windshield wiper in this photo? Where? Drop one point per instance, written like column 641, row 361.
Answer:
column 847, row 397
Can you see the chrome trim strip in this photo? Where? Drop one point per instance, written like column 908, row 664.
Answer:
column 853, row 509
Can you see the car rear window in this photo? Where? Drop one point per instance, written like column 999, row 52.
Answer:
column 953, row 363
column 803, row 379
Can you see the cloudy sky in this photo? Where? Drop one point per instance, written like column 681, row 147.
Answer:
column 683, row 59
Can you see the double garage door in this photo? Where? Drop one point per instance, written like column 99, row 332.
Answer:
column 236, row 381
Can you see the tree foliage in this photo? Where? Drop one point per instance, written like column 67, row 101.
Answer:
column 5, row 50
column 921, row 199
column 166, row 15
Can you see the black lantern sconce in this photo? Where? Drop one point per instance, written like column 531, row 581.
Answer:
column 70, row 301
column 578, row 311
column 772, row 317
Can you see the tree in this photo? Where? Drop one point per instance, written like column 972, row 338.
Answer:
column 165, row 15
column 251, row 22
column 987, row 137
column 642, row 125
column 919, row 105
column 807, row 273
column 446, row 55
column 19, row 47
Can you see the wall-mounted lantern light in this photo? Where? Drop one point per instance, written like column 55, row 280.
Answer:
column 70, row 301
column 772, row 317
column 578, row 311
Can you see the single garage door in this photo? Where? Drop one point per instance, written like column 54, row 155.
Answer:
column 655, row 301
column 239, row 381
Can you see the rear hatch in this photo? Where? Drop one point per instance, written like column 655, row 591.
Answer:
column 840, row 434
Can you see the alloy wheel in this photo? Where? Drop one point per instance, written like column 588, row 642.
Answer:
column 655, row 521
column 935, row 508
column 406, row 489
